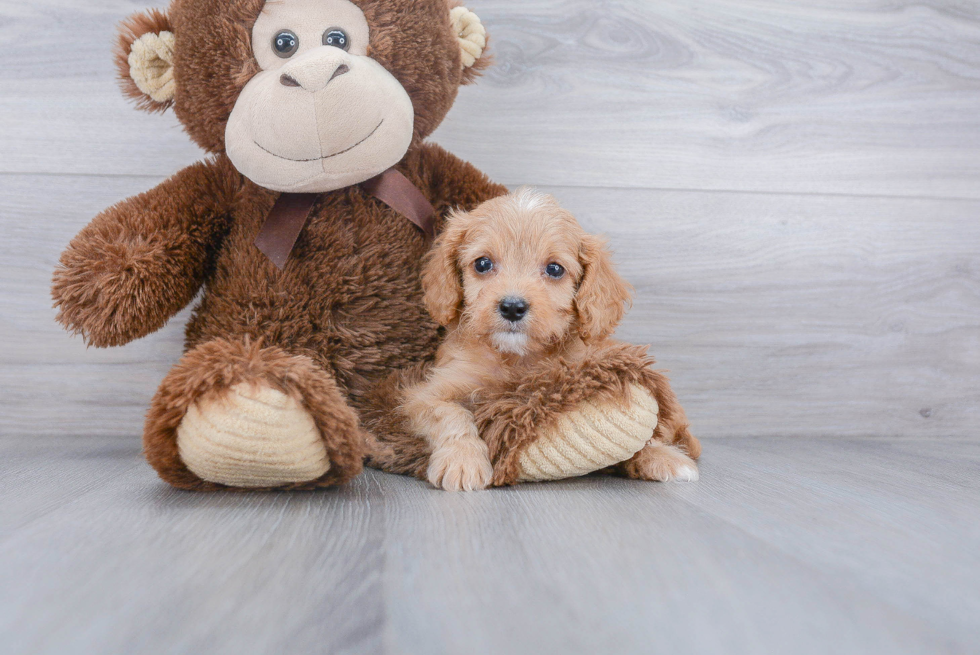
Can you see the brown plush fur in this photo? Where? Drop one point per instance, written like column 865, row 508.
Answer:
column 142, row 260
column 218, row 365
column 510, row 420
column 391, row 445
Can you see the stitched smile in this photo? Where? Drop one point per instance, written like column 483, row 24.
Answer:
column 327, row 156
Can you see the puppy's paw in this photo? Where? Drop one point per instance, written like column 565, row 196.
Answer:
column 660, row 462
column 462, row 465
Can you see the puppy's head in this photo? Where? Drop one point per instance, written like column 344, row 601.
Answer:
column 520, row 273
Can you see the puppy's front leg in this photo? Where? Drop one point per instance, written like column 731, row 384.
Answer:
column 460, row 459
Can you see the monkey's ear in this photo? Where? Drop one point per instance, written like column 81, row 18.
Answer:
column 144, row 57
column 472, row 38
column 442, row 285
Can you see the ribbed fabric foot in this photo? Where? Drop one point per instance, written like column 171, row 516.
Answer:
column 591, row 437
column 252, row 436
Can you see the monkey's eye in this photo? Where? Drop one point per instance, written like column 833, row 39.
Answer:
column 554, row 270
column 337, row 38
column 483, row 265
column 285, row 43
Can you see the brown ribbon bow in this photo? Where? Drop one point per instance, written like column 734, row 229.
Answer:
column 288, row 216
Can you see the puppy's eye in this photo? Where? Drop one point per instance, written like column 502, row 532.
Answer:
column 285, row 43
column 483, row 265
column 554, row 270
column 337, row 38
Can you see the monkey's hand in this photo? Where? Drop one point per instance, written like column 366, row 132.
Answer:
column 138, row 263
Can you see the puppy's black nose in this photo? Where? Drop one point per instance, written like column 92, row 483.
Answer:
column 513, row 309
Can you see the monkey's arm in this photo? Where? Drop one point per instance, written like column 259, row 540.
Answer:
column 454, row 182
column 139, row 262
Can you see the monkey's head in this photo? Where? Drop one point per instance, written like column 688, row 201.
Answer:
column 303, row 95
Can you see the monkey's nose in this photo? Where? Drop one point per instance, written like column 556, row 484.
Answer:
column 314, row 72
column 513, row 309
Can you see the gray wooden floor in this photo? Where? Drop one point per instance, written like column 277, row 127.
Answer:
column 790, row 546
column 794, row 190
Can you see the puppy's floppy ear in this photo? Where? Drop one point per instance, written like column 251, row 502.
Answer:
column 144, row 57
column 602, row 295
column 441, row 280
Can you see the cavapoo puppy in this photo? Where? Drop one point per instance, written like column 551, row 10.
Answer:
column 515, row 281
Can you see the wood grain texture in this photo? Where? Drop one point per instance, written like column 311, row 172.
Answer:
column 52, row 384
column 844, row 492
column 844, row 546
column 131, row 565
column 605, row 566
column 776, row 314
column 870, row 97
column 803, row 315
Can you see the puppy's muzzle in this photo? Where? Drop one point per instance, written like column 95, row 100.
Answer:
column 513, row 309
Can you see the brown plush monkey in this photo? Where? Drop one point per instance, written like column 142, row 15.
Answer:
column 297, row 227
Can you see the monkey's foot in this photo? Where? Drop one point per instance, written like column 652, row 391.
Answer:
column 251, row 436
column 237, row 414
column 591, row 437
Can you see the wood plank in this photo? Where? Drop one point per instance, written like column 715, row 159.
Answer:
column 52, row 384
column 776, row 314
column 871, row 97
column 803, row 315
column 606, row 565
column 135, row 566
column 41, row 474
column 803, row 546
column 887, row 514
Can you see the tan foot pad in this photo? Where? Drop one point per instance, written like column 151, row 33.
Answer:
column 591, row 437
column 253, row 436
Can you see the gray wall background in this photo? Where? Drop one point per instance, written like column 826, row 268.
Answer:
column 793, row 188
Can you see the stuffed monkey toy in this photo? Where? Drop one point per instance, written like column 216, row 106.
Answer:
column 305, row 227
